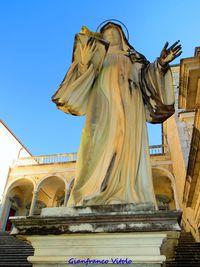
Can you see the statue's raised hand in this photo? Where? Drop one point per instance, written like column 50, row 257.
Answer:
column 87, row 51
column 169, row 54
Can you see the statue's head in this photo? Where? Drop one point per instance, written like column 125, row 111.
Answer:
column 114, row 33
column 111, row 33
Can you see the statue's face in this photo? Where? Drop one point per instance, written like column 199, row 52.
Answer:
column 112, row 35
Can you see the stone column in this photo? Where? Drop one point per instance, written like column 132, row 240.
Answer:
column 5, row 208
column 34, row 199
column 67, row 192
column 175, row 196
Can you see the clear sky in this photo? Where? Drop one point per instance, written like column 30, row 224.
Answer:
column 36, row 41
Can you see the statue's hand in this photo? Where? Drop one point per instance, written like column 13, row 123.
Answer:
column 87, row 51
column 169, row 54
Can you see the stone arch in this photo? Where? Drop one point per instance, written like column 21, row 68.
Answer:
column 17, row 180
column 48, row 176
column 167, row 178
column 18, row 196
column 50, row 191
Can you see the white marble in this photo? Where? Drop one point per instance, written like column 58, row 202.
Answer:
column 135, row 249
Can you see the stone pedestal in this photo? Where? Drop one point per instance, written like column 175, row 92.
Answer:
column 122, row 235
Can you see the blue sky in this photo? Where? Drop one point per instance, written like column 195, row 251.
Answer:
column 36, row 44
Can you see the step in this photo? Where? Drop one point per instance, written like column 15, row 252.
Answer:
column 11, row 250
column 3, row 243
column 185, row 252
column 183, row 265
column 188, row 248
column 187, row 245
column 189, row 256
column 182, row 250
column 185, row 262
column 184, row 259
column 16, row 251
column 13, row 256
column 4, row 233
column 11, row 259
column 186, row 242
column 179, row 250
column 6, row 264
column 10, row 241
column 15, row 245
column 186, row 238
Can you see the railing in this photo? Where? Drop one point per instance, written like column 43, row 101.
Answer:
column 50, row 159
column 158, row 150
column 63, row 158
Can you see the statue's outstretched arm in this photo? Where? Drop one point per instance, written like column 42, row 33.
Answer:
column 167, row 55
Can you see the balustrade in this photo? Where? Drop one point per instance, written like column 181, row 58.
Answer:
column 71, row 157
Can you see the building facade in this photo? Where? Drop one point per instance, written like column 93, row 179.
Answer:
column 10, row 149
column 45, row 181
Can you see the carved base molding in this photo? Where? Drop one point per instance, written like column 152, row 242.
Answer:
column 131, row 249
column 131, row 235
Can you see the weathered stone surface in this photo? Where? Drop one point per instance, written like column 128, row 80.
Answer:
column 128, row 231
column 98, row 219
column 169, row 244
column 137, row 249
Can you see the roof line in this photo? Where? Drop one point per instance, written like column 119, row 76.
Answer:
column 15, row 137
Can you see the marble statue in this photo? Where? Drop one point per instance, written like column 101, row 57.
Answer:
column 118, row 92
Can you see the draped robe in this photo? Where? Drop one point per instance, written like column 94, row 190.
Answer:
column 113, row 162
